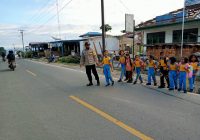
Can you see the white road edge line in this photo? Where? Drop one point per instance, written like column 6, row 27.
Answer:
column 31, row 73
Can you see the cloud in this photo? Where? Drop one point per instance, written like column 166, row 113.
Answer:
column 82, row 16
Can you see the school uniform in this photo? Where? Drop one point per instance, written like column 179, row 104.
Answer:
column 89, row 59
column 151, row 72
column 172, row 76
column 106, row 69
column 138, row 65
column 129, row 71
column 123, row 67
column 195, row 70
column 164, row 73
column 182, row 77
column 190, row 77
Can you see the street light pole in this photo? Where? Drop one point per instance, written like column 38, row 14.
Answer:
column 103, row 25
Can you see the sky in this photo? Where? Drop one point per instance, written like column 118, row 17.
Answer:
column 38, row 18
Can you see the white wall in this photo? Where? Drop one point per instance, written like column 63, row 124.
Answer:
column 168, row 36
column 169, row 31
column 81, row 46
column 112, row 44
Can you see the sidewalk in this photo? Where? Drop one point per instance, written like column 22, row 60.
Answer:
column 191, row 97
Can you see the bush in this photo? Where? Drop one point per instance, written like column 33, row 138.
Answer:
column 28, row 54
column 69, row 59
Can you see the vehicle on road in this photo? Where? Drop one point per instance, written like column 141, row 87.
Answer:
column 11, row 60
column 12, row 65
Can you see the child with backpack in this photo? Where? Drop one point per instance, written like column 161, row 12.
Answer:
column 129, row 70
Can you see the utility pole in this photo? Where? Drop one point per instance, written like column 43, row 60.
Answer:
column 103, row 25
column 133, row 48
column 58, row 19
column 14, row 48
column 22, row 34
column 183, row 26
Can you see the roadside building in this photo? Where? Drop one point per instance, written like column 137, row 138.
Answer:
column 66, row 47
column 95, row 39
column 38, row 48
column 125, row 41
column 163, row 33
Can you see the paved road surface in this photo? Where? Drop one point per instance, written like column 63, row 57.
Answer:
column 35, row 104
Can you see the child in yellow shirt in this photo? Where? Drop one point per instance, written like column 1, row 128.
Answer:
column 151, row 70
column 123, row 66
column 193, row 60
column 107, row 68
column 138, row 64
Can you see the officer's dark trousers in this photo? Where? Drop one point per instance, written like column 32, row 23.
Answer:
column 89, row 69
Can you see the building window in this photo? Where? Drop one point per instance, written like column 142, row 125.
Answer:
column 190, row 36
column 156, row 38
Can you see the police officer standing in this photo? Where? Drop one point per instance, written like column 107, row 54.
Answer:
column 89, row 60
column 163, row 70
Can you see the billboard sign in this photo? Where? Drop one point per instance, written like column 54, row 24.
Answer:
column 191, row 2
column 129, row 23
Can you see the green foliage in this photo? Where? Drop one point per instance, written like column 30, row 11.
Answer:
column 28, row 54
column 2, row 50
column 69, row 59
column 107, row 28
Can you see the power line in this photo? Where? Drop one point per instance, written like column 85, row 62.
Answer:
column 41, row 10
column 52, row 17
column 124, row 5
column 42, row 15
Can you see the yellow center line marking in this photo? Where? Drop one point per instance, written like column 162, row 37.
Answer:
column 31, row 73
column 112, row 119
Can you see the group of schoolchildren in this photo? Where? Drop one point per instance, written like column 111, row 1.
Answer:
column 174, row 72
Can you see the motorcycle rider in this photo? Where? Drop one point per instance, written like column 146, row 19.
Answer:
column 10, row 57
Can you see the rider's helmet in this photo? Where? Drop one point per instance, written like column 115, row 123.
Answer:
column 10, row 52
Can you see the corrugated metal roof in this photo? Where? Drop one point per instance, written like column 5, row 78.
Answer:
column 91, row 34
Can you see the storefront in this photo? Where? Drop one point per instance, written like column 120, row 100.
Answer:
column 164, row 33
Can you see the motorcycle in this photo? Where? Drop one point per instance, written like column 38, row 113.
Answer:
column 12, row 65
column 4, row 59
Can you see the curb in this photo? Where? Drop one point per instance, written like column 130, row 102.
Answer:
column 195, row 98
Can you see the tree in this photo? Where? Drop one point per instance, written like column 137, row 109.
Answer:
column 123, row 31
column 2, row 50
column 107, row 28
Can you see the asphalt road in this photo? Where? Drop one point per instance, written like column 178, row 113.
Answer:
column 38, row 102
